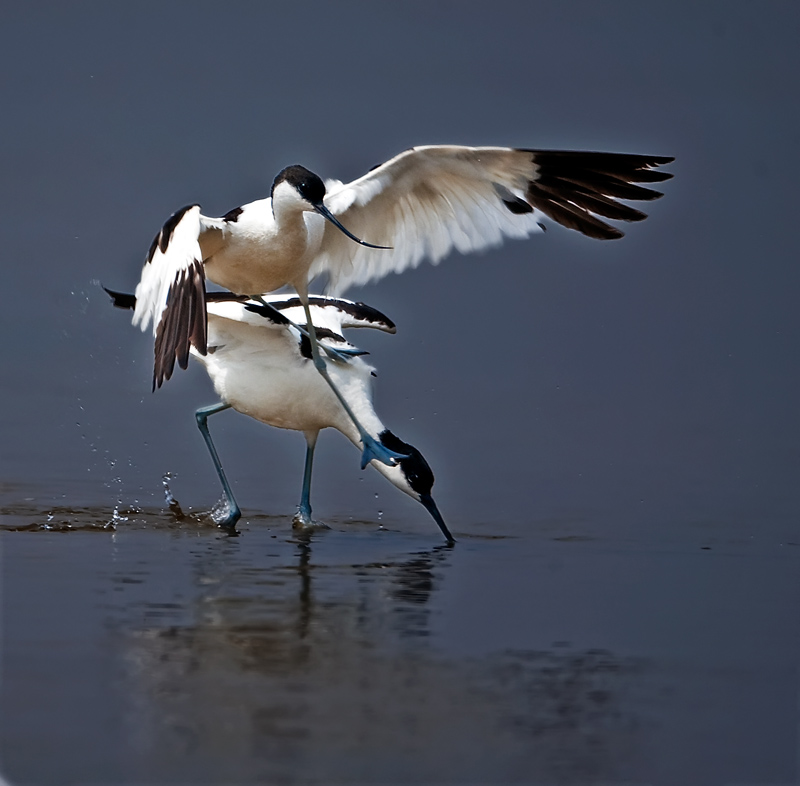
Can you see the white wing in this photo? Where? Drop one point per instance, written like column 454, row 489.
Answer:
column 173, row 274
column 175, row 251
column 428, row 200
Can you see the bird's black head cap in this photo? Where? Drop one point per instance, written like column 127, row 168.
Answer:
column 416, row 470
column 308, row 185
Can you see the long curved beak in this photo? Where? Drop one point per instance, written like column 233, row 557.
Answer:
column 430, row 506
column 325, row 213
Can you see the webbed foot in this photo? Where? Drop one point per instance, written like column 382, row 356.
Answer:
column 302, row 521
column 373, row 450
column 344, row 354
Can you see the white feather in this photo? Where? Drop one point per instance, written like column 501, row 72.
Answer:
column 165, row 267
column 424, row 203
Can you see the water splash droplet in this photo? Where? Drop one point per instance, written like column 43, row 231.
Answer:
column 116, row 518
column 221, row 510
column 165, row 479
column 172, row 503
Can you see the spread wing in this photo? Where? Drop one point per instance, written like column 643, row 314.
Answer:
column 430, row 200
column 171, row 293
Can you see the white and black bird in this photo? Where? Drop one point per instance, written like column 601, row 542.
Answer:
column 261, row 365
column 420, row 204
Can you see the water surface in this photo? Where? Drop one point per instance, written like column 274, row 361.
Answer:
column 141, row 648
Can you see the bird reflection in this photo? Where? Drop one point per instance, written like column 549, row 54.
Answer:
column 299, row 655
column 303, row 540
column 277, row 617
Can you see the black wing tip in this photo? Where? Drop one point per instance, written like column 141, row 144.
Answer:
column 661, row 160
column 574, row 187
column 634, row 167
column 365, row 313
column 183, row 324
column 360, row 310
column 641, row 158
column 602, row 231
column 121, row 299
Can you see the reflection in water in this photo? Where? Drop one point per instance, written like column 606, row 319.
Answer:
column 162, row 651
column 312, row 665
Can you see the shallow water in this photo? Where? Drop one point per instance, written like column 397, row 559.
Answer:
column 145, row 648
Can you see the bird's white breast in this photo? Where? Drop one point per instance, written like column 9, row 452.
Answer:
column 258, row 255
column 261, row 373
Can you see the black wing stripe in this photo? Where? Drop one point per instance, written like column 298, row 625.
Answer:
column 569, row 215
column 272, row 314
column 163, row 361
column 597, row 183
column 616, row 164
column 183, row 324
column 359, row 311
column 599, row 204
column 161, row 240
column 183, row 328
column 198, row 335
column 225, row 297
column 321, row 333
column 232, row 216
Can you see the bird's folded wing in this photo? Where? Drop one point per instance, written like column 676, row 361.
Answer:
column 430, row 200
column 335, row 314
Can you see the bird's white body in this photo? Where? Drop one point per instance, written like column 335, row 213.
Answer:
column 257, row 367
column 423, row 203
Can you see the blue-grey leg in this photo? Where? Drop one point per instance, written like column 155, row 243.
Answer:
column 372, row 448
column 302, row 518
column 233, row 514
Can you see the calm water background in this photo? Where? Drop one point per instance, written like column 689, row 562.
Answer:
column 613, row 427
